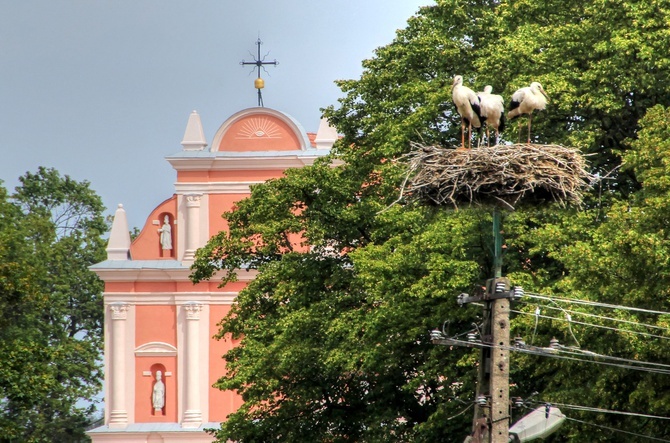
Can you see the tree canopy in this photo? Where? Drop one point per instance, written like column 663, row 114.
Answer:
column 334, row 331
column 51, row 327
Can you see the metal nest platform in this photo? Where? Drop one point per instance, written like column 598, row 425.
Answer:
column 501, row 175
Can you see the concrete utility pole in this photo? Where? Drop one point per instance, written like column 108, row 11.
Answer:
column 499, row 383
column 491, row 420
column 492, row 415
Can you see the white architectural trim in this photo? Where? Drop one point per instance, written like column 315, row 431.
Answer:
column 194, row 136
column 215, row 188
column 156, row 349
column 161, row 275
column 249, row 162
column 152, row 298
column 118, row 405
column 192, row 225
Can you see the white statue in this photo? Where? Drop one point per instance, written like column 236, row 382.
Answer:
column 158, row 396
column 166, row 234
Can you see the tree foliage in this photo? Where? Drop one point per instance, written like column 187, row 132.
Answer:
column 334, row 332
column 51, row 331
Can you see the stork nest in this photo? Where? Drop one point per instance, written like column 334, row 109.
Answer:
column 503, row 175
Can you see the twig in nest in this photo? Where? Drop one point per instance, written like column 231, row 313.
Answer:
column 500, row 174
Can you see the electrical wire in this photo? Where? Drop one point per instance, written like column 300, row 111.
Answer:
column 649, row 438
column 611, row 328
column 601, row 317
column 593, row 303
column 577, row 351
column 460, row 413
column 554, row 354
column 599, row 410
column 567, row 317
column 603, row 363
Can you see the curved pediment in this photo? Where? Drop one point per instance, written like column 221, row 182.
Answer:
column 156, row 349
column 260, row 129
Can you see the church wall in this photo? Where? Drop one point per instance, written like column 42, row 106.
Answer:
column 223, row 203
column 147, row 245
column 145, row 370
column 221, row 403
column 158, row 324
column 156, row 319
column 154, row 287
column 231, row 175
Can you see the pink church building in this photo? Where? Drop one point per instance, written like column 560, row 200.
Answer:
column 160, row 357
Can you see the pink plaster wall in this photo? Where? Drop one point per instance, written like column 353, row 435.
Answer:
column 144, row 412
column 245, row 175
column 147, row 245
column 156, row 323
column 221, row 403
column 259, row 133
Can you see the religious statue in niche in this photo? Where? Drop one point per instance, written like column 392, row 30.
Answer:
column 158, row 395
column 166, row 233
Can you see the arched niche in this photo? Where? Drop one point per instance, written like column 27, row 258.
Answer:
column 155, row 369
column 166, row 231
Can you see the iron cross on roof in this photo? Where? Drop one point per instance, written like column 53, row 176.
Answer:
column 259, row 62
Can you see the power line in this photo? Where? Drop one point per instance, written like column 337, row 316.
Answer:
column 649, row 438
column 593, row 303
column 611, row 328
column 616, row 430
column 601, row 410
column 460, row 413
column 554, row 354
column 601, row 317
column 577, row 351
column 603, row 363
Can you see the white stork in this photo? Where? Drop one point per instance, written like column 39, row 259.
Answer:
column 467, row 105
column 525, row 101
column 492, row 112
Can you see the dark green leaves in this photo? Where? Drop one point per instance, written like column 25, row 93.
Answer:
column 51, row 327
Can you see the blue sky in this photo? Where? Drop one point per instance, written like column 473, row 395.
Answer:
column 102, row 90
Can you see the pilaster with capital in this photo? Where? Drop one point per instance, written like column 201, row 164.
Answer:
column 192, row 413
column 192, row 225
column 118, row 416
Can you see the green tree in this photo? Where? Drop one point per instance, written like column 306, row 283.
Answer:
column 623, row 260
column 334, row 338
column 51, row 339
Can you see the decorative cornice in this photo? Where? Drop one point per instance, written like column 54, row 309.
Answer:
column 184, row 188
column 178, row 299
column 127, row 274
column 119, row 310
column 156, row 349
column 244, row 163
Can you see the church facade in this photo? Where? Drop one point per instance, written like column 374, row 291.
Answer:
column 160, row 356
